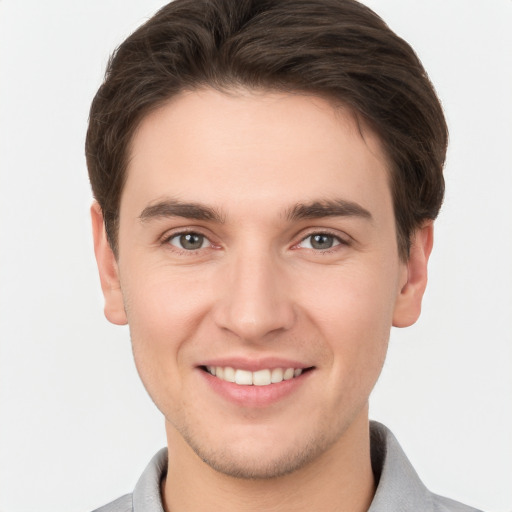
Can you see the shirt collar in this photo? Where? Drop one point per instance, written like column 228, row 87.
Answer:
column 399, row 487
column 146, row 495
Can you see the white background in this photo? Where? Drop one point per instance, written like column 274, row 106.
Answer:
column 76, row 427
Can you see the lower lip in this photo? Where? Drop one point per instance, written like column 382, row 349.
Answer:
column 254, row 396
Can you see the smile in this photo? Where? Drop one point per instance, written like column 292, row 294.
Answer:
column 263, row 377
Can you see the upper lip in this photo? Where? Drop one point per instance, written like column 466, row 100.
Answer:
column 255, row 364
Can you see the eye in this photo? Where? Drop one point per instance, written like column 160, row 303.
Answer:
column 189, row 241
column 320, row 241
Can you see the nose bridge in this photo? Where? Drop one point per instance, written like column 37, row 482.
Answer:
column 256, row 301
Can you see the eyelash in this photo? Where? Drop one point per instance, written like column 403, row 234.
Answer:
column 166, row 240
column 340, row 241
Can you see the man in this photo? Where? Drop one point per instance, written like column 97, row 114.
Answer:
column 266, row 175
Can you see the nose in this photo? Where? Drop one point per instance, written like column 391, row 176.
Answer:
column 256, row 302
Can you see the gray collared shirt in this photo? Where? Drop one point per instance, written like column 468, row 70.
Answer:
column 399, row 488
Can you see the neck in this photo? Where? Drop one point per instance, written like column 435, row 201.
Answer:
column 340, row 479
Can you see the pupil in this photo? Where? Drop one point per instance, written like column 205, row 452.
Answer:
column 322, row 241
column 191, row 241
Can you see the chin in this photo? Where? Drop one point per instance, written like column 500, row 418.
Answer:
column 253, row 461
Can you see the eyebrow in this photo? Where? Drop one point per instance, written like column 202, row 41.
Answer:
column 300, row 211
column 175, row 208
column 327, row 208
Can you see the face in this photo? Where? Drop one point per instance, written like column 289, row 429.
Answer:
column 257, row 245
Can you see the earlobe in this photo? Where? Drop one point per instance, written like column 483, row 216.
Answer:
column 108, row 269
column 408, row 303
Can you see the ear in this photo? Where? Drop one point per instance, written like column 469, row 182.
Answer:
column 408, row 303
column 108, row 269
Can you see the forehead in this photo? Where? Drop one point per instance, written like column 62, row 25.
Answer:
column 254, row 148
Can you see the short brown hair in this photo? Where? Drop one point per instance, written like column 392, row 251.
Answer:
column 338, row 49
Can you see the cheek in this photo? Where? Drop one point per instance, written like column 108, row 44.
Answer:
column 354, row 315
column 357, row 300
column 162, row 305
column 163, row 314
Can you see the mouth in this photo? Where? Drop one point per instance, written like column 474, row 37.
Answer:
column 263, row 377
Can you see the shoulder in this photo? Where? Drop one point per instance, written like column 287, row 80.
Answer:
column 122, row 504
column 442, row 504
column 146, row 495
column 399, row 486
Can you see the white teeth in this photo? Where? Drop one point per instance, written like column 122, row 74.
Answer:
column 288, row 374
column 229, row 374
column 261, row 378
column 243, row 377
column 277, row 375
column 258, row 378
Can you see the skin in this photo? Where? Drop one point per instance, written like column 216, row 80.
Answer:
column 258, row 288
